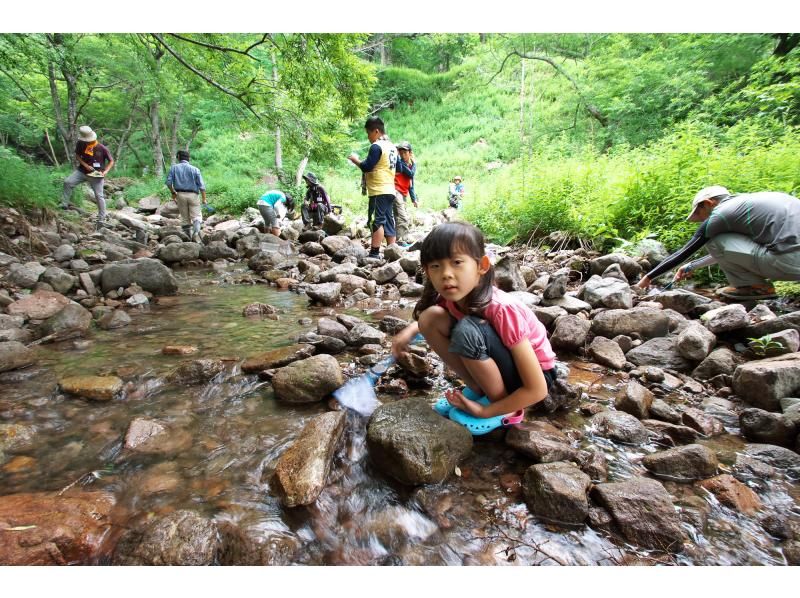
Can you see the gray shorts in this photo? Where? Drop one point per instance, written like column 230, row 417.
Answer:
column 474, row 338
column 269, row 215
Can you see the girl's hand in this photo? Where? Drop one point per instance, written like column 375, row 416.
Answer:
column 402, row 339
column 456, row 399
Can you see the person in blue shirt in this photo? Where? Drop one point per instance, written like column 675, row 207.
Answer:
column 273, row 206
column 185, row 182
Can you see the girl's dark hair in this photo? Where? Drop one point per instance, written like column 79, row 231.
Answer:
column 442, row 242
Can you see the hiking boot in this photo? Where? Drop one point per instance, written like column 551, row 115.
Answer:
column 748, row 293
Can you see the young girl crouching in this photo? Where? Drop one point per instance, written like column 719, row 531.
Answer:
column 494, row 343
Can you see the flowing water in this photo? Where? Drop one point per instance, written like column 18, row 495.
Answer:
column 228, row 434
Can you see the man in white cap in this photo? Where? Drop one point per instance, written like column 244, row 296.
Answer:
column 753, row 237
column 94, row 162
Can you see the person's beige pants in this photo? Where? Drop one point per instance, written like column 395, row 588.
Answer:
column 746, row 263
column 189, row 206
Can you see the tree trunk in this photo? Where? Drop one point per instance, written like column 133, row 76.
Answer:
column 176, row 124
column 786, row 43
column 50, row 145
column 123, row 140
column 301, row 168
column 155, row 139
column 522, row 103
column 382, row 48
column 278, row 145
column 61, row 126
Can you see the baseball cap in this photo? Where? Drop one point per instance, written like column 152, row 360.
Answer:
column 707, row 193
column 404, row 145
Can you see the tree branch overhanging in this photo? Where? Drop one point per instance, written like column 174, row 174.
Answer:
column 246, row 52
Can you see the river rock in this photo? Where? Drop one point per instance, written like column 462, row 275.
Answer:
column 630, row 267
column 570, row 333
column 661, row 352
column 14, row 355
column 24, row 276
column 64, row 253
column 364, row 334
column 150, row 274
column 312, row 248
column 671, row 432
column 413, row 444
column 732, row 493
column 606, row 352
column 557, row 492
column 680, row 300
column 195, row 372
column 179, row 252
column 507, row 275
column 720, row 361
column 548, row 315
column 607, row 292
column 277, row 358
column 542, row 442
column 763, row 383
column 528, row 299
column 570, row 304
column 415, row 364
column 332, row 224
column 782, row 459
column 178, row 350
column 97, row 388
column 116, row 319
column 258, row 309
column 351, row 283
column 636, row 400
column 217, row 250
column 180, row 538
column 150, row 203
column 614, row 271
column 683, row 463
column 302, row 470
column 66, row 529
column 764, row 427
column 74, row 319
column 725, row 319
column 646, row 323
column 643, row 512
column 386, row 273
column 308, row 380
column 702, row 422
column 16, row 438
column 335, row 243
column 695, row 342
column 256, row 545
column 327, row 293
column 61, row 281
column 619, row 426
column 410, row 262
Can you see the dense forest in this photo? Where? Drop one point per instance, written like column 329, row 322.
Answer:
column 603, row 136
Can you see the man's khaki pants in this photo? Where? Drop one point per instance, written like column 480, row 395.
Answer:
column 189, row 207
column 747, row 263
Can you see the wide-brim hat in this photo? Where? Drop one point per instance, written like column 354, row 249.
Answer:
column 707, row 193
column 311, row 178
column 457, row 178
column 86, row 134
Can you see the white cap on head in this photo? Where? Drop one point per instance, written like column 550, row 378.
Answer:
column 707, row 193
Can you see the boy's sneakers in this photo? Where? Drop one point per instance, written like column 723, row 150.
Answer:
column 403, row 244
column 374, row 254
column 748, row 293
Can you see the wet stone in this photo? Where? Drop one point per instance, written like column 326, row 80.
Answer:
column 16, row 437
column 115, row 319
column 732, row 493
column 180, row 538
column 194, row 372
column 14, row 355
column 660, row 409
column 570, row 333
column 557, row 492
column 277, row 358
column 764, row 427
column 620, row 426
column 308, row 380
column 725, row 319
column 636, row 400
column 256, row 546
column 684, row 463
column 764, row 382
column 541, row 441
column 702, row 422
column 178, row 350
column 97, row 388
column 676, row 434
column 606, row 352
column 39, row 306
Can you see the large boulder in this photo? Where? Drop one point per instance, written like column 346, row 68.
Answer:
column 14, row 355
column 413, row 444
column 61, row 281
column 644, row 322
column 64, row 253
column 725, row 319
column 26, row 275
column 217, row 250
column 683, row 463
column 507, row 275
column 636, row 400
column 277, row 358
column 151, row 275
column 557, row 492
column 732, row 493
column 661, row 352
column 630, row 267
column 643, row 512
column 680, row 300
column 772, row 325
column 765, row 382
column 335, row 243
column 198, row 371
column 364, row 334
column 386, row 273
column 54, row 528
column 302, row 470
column 308, row 380
column 180, row 538
column 179, row 252
column 720, row 361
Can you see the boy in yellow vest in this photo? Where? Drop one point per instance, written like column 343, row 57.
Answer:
column 379, row 169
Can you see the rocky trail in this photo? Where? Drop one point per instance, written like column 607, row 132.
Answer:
column 169, row 402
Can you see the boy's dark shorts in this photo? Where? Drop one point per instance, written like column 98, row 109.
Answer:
column 474, row 338
column 383, row 214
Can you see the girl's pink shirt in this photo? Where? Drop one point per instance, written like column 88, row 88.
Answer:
column 512, row 321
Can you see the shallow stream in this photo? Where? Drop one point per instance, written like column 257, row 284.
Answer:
column 231, row 431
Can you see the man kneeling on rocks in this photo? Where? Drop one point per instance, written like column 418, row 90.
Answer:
column 754, row 237
column 184, row 182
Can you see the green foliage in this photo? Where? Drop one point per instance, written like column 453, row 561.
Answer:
column 762, row 346
column 404, row 85
column 24, row 185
